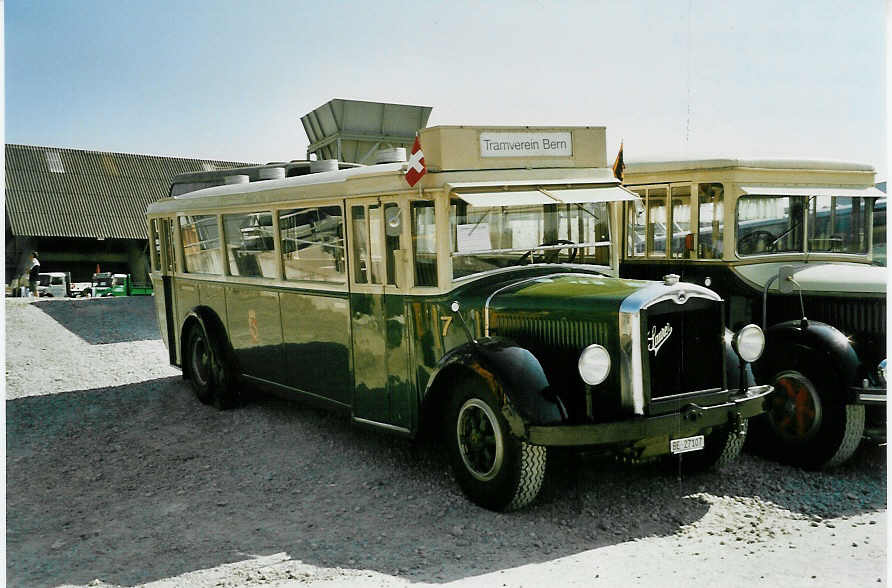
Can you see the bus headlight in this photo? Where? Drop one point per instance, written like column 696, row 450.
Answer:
column 594, row 364
column 749, row 343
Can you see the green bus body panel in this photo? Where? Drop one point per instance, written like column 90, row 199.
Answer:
column 316, row 331
column 255, row 331
column 382, row 391
column 369, row 357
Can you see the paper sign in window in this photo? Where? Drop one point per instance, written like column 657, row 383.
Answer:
column 473, row 237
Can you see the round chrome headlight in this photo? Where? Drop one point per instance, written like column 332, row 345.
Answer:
column 594, row 364
column 749, row 343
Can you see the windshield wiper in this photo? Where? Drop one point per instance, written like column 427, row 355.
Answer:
column 795, row 225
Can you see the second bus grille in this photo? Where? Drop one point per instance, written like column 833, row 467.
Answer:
column 683, row 347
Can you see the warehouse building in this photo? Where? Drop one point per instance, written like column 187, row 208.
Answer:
column 85, row 209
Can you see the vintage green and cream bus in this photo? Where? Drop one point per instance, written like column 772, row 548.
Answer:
column 481, row 306
column 789, row 245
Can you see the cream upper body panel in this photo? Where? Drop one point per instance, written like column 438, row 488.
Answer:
column 857, row 278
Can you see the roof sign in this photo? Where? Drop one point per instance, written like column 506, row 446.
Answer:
column 497, row 144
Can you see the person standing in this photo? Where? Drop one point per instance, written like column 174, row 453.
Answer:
column 33, row 274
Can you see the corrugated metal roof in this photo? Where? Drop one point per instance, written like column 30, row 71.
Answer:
column 94, row 194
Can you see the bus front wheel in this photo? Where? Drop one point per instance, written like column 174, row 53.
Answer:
column 494, row 469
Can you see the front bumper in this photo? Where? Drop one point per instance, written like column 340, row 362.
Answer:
column 689, row 420
column 870, row 395
column 873, row 398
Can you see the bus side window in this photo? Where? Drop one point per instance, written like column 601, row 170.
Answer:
column 360, row 245
column 635, row 226
column 711, row 225
column 170, row 260
column 682, row 238
column 250, row 244
column 375, row 244
column 656, row 222
column 155, row 245
column 313, row 243
column 393, row 227
column 201, row 244
column 424, row 243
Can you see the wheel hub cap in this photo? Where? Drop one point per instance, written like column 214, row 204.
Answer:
column 795, row 408
column 479, row 439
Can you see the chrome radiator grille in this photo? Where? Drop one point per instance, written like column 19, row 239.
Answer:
column 683, row 346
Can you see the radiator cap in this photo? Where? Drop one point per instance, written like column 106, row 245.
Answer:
column 671, row 279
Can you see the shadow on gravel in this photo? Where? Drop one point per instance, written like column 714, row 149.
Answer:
column 140, row 482
column 105, row 320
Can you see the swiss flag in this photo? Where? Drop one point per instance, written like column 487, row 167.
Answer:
column 416, row 167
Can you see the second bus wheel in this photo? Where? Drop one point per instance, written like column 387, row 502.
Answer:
column 209, row 376
column 807, row 423
column 494, row 469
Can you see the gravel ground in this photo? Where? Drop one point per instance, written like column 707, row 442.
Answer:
column 116, row 475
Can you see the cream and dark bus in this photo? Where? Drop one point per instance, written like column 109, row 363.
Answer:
column 480, row 306
column 789, row 245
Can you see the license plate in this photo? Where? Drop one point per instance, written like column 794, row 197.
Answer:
column 687, row 444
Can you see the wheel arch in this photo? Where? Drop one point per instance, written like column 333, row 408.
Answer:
column 206, row 319
column 513, row 374
column 789, row 343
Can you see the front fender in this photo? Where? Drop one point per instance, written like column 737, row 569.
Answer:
column 513, row 373
column 786, row 341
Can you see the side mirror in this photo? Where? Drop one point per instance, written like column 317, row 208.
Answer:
column 393, row 221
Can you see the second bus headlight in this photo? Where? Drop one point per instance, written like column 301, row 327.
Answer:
column 594, row 364
column 749, row 343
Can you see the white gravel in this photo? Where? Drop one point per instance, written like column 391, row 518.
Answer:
column 117, row 476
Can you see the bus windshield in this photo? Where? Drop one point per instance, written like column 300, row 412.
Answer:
column 490, row 237
column 798, row 224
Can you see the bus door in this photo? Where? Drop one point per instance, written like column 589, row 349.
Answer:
column 164, row 265
column 378, row 281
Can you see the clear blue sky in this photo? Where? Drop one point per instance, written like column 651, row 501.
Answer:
column 230, row 79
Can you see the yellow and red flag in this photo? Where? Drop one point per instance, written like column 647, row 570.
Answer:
column 618, row 165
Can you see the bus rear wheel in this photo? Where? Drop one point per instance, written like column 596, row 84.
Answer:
column 494, row 469
column 208, row 375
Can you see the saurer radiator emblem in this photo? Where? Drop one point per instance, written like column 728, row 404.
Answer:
column 656, row 338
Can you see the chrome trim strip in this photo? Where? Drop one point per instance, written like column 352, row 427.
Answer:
column 872, row 398
column 597, row 270
column 631, row 370
column 382, row 425
column 631, row 362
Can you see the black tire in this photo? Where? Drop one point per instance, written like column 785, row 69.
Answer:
column 494, row 469
column 721, row 447
column 208, row 374
column 807, row 423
